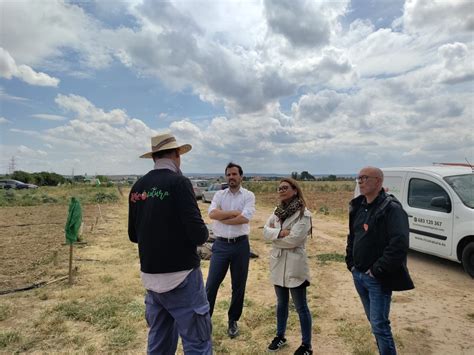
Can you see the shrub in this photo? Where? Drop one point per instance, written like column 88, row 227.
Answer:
column 102, row 197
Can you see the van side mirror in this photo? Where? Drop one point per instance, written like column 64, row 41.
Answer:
column 441, row 202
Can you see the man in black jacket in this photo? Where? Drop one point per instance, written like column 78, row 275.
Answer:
column 165, row 221
column 376, row 252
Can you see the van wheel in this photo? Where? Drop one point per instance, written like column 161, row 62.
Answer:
column 468, row 259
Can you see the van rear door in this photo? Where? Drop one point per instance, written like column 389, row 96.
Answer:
column 429, row 205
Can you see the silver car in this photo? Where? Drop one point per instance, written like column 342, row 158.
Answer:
column 199, row 186
column 210, row 192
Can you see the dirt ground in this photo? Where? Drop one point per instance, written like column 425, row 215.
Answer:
column 435, row 318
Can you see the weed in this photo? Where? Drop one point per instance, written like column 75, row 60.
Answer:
column 102, row 197
column 9, row 337
column 5, row 311
column 106, row 279
column 136, row 309
column 470, row 316
column 121, row 336
column 48, row 199
column 324, row 210
column 359, row 337
column 331, row 257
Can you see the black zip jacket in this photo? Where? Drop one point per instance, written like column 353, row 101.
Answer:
column 165, row 220
column 378, row 240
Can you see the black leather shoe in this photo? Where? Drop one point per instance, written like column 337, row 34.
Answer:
column 233, row 330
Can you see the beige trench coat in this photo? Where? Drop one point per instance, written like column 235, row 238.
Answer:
column 288, row 259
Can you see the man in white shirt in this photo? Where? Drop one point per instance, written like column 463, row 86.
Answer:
column 231, row 209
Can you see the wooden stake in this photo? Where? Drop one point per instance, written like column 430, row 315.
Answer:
column 100, row 212
column 70, row 264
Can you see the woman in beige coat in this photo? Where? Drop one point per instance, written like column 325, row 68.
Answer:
column 288, row 228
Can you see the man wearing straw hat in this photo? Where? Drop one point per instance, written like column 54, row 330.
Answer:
column 165, row 221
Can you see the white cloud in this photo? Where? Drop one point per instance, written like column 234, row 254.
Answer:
column 301, row 22
column 3, row 120
column 29, row 152
column 439, row 17
column 48, row 117
column 300, row 88
column 9, row 69
column 457, row 63
column 86, row 111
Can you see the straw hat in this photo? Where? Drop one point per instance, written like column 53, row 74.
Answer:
column 164, row 142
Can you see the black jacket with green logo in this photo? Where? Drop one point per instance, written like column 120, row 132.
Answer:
column 378, row 240
column 165, row 220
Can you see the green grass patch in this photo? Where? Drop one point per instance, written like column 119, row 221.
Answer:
column 136, row 309
column 121, row 336
column 359, row 337
column 103, row 313
column 331, row 257
column 9, row 337
column 5, row 311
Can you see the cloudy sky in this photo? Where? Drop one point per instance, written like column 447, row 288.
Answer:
column 277, row 86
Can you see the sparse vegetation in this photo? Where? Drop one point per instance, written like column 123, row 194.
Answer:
column 58, row 195
column 324, row 258
column 5, row 311
column 358, row 336
column 8, row 338
column 103, row 312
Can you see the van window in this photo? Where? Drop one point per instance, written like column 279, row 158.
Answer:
column 463, row 185
column 428, row 195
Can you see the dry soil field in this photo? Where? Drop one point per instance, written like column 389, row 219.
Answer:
column 103, row 310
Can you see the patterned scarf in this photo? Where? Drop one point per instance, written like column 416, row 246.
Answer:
column 283, row 211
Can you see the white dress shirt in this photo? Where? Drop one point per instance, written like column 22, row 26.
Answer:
column 225, row 200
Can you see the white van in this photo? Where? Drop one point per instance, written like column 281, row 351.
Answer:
column 439, row 201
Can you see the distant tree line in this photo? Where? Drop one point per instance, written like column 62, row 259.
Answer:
column 305, row 176
column 43, row 178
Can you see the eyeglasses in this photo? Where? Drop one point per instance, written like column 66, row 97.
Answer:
column 283, row 188
column 364, row 178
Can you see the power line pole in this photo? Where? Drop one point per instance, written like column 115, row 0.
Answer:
column 12, row 165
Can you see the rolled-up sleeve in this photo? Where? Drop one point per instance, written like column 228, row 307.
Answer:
column 216, row 201
column 249, row 205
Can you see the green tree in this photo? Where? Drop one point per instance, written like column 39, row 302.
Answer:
column 306, row 176
column 22, row 176
column 294, row 175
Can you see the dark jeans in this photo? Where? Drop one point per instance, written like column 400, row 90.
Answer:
column 184, row 311
column 376, row 302
column 237, row 256
column 299, row 299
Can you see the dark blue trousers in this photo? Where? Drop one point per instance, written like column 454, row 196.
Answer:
column 376, row 302
column 184, row 311
column 236, row 256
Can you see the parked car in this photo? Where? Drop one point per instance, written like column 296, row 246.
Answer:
column 199, row 186
column 15, row 184
column 212, row 189
column 439, row 201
